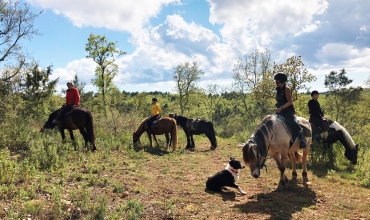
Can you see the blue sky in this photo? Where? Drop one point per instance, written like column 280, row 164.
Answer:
column 158, row 35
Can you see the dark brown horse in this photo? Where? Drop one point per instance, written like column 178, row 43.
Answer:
column 78, row 118
column 164, row 126
column 202, row 127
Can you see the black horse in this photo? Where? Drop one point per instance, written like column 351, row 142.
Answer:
column 337, row 132
column 78, row 118
column 196, row 126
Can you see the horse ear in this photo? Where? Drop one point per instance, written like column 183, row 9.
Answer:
column 134, row 133
column 357, row 147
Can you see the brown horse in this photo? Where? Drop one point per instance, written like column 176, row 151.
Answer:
column 272, row 136
column 78, row 118
column 164, row 126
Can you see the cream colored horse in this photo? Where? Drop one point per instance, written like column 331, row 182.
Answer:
column 273, row 136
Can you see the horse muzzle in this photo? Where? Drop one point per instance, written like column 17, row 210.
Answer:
column 256, row 173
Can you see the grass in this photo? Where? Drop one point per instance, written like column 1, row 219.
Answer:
column 122, row 182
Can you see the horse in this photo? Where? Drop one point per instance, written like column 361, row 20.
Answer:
column 78, row 118
column 198, row 126
column 273, row 136
column 336, row 133
column 164, row 125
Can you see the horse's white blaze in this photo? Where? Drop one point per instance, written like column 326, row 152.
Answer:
column 347, row 137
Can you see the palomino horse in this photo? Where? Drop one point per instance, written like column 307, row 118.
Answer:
column 273, row 136
column 196, row 126
column 164, row 126
column 336, row 133
column 78, row 118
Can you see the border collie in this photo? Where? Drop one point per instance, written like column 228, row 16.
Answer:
column 226, row 177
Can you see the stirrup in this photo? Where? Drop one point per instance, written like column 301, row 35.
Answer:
column 302, row 144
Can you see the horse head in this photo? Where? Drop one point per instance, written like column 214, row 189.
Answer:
column 135, row 138
column 253, row 158
column 47, row 125
column 351, row 154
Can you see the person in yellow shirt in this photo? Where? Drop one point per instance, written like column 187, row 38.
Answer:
column 156, row 111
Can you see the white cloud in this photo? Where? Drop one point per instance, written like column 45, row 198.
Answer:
column 128, row 15
column 254, row 24
column 338, row 53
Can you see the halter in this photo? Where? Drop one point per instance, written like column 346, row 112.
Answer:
column 261, row 159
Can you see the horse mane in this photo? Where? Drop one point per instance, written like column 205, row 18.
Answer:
column 181, row 120
column 347, row 136
column 262, row 133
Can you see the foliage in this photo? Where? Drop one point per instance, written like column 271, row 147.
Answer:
column 253, row 80
column 186, row 75
column 298, row 76
column 36, row 88
column 341, row 100
column 17, row 24
column 104, row 53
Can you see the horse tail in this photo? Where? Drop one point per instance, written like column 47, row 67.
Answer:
column 90, row 129
column 174, row 135
column 212, row 135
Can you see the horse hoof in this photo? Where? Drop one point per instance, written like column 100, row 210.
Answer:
column 280, row 187
column 213, row 148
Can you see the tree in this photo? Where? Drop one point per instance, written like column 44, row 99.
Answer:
column 253, row 82
column 104, row 53
column 16, row 24
column 298, row 76
column 186, row 75
column 339, row 98
column 37, row 87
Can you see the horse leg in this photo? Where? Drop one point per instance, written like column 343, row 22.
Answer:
column 150, row 140
column 84, row 134
column 281, row 162
column 294, row 162
column 72, row 138
column 304, row 167
column 167, row 141
column 187, row 138
column 156, row 141
column 63, row 134
column 192, row 141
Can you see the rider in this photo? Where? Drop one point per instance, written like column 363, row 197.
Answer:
column 285, row 107
column 156, row 111
column 316, row 114
column 72, row 100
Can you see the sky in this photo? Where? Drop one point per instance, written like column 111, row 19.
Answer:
column 158, row 35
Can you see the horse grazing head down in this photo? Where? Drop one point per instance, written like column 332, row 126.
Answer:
column 253, row 158
column 135, row 138
column 351, row 155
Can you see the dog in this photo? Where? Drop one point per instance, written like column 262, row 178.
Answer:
column 226, row 177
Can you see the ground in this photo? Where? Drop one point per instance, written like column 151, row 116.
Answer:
column 152, row 184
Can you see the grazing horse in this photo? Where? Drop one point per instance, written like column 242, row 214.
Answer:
column 336, row 133
column 78, row 118
column 164, row 126
column 196, row 126
column 273, row 136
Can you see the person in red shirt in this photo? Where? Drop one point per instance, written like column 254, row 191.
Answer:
column 72, row 100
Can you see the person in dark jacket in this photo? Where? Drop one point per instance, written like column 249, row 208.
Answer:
column 285, row 107
column 316, row 115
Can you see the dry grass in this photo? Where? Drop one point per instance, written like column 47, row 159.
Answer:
column 172, row 186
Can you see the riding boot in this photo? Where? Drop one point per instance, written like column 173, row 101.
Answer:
column 302, row 140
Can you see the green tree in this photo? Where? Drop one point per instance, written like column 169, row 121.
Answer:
column 37, row 87
column 186, row 76
column 340, row 99
column 16, row 24
column 298, row 76
column 254, row 84
column 104, row 53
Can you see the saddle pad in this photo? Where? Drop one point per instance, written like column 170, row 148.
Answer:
column 304, row 126
column 192, row 124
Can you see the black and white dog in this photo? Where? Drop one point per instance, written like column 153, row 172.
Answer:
column 226, row 177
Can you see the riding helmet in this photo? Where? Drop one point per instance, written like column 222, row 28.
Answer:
column 314, row 92
column 154, row 99
column 282, row 77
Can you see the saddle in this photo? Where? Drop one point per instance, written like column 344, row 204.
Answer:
column 192, row 124
column 70, row 111
column 155, row 122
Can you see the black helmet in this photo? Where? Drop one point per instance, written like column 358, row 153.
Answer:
column 314, row 92
column 154, row 99
column 281, row 77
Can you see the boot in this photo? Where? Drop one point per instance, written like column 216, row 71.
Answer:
column 302, row 140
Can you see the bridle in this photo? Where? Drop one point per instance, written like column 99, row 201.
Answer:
column 261, row 159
